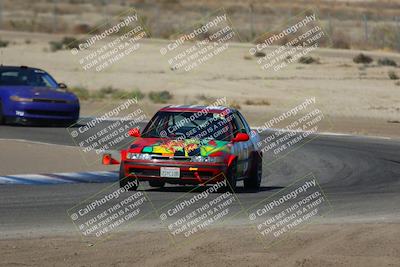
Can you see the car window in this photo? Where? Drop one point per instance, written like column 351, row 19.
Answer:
column 240, row 127
column 244, row 122
column 189, row 125
column 27, row 77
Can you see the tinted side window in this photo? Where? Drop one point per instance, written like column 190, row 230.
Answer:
column 244, row 122
column 240, row 127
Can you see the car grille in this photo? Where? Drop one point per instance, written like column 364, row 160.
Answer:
column 49, row 113
column 144, row 172
column 45, row 100
column 174, row 158
column 152, row 172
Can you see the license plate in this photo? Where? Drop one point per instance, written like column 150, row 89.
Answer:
column 170, row 172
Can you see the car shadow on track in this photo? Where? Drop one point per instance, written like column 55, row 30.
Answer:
column 43, row 125
column 194, row 189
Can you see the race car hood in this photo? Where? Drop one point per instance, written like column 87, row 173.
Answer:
column 38, row 92
column 186, row 147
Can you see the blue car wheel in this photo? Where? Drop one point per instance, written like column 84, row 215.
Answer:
column 1, row 114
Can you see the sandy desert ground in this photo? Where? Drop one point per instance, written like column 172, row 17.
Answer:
column 357, row 99
column 363, row 244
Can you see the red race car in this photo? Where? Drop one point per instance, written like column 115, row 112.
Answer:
column 192, row 145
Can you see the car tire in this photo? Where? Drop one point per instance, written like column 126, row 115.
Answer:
column 231, row 178
column 69, row 123
column 253, row 182
column 123, row 181
column 2, row 119
column 156, row 183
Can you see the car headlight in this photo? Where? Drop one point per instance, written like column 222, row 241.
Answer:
column 207, row 159
column 138, row 156
column 20, row 99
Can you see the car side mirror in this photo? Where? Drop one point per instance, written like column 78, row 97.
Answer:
column 135, row 132
column 241, row 137
column 107, row 159
column 62, row 86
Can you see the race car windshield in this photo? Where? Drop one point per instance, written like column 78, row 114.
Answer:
column 26, row 77
column 187, row 125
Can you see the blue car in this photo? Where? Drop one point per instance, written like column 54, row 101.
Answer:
column 30, row 95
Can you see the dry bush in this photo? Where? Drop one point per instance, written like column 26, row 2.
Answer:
column 387, row 62
column 259, row 54
column 362, row 59
column 385, row 37
column 340, row 40
column 308, row 60
column 392, row 75
column 4, row 43
column 82, row 28
column 264, row 37
column 234, row 104
column 206, row 100
column 263, row 102
column 160, row 97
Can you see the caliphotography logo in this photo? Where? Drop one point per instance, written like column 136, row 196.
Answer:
column 199, row 133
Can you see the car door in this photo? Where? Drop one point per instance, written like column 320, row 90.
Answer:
column 242, row 149
column 254, row 137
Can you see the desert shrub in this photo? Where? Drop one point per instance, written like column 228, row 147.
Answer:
column 340, row 40
column 392, row 75
column 4, row 43
column 263, row 102
column 207, row 100
column 81, row 92
column 362, row 59
column 55, row 46
column 65, row 43
column 160, row 97
column 265, row 37
column 234, row 104
column 122, row 94
column 170, row 2
column 387, row 62
column 259, row 54
column 108, row 90
column 308, row 60
column 69, row 42
column 288, row 58
column 105, row 92
column 82, row 28
column 385, row 36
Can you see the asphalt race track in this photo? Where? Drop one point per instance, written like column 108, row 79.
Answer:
column 359, row 175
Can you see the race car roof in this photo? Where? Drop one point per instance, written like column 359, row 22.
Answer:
column 196, row 108
column 7, row 67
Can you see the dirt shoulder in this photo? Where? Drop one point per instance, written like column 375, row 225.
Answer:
column 20, row 157
column 314, row 245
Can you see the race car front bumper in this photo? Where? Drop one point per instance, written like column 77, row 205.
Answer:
column 190, row 172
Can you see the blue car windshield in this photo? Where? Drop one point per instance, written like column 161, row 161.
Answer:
column 26, row 77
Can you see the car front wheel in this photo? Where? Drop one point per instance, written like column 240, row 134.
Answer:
column 253, row 182
column 123, row 180
column 231, row 178
column 1, row 114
